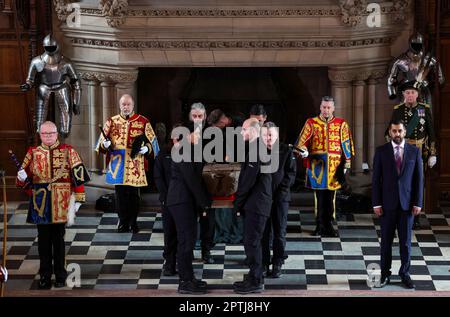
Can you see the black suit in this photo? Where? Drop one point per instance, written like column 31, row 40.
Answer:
column 254, row 201
column 162, row 175
column 282, row 181
column 186, row 196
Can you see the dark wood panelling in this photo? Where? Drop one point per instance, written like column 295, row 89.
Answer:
column 16, row 107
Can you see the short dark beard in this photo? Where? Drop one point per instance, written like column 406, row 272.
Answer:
column 398, row 138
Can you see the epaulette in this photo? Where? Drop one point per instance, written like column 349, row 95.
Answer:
column 424, row 104
column 398, row 106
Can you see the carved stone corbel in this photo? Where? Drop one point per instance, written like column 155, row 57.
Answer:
column 352, row 11
column 400, row 9
column 61, row 9
column 115, row 11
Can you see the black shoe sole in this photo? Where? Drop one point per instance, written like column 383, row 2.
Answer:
column 200, row 292
column 248, row 292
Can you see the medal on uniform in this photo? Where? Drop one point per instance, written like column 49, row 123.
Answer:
column 422, row 121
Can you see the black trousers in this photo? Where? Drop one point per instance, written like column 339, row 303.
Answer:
column 127, row 204
column 207, row 230
column 185, row 218
column 170, row 238
column 52, row 251
column 254, row 225
column 324, row 200
column 275, row 232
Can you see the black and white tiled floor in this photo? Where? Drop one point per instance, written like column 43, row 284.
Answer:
column 112, row 261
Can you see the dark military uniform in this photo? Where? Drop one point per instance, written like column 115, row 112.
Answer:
column 419, row 127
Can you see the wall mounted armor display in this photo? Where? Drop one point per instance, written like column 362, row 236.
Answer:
column 50, row 73
column 414, row 65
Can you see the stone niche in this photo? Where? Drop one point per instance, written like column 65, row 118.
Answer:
column 117, row 41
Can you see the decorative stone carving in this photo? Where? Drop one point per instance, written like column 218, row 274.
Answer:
column 399, row 8
column 109, row 77
column 358, row 75
column 352, row 11
column 221, row 12
column 61, row 9
column 114, row 10
column 212, row 44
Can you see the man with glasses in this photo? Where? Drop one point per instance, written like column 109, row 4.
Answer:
column 54, row 175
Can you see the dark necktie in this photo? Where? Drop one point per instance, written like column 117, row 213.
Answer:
column 398, row 159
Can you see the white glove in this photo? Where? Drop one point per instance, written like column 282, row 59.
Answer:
column 345, row 171
column 143, row 150
column 22, row 175
column 304, row 154
column 73, row 209
column 4, row 274
column 106, row 143
column 432, row 161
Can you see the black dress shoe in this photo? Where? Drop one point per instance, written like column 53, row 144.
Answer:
column 276, row 271
column 407, row 282
column 135, row 228
column 200, row 283
column 207, row 257
column 329, row 232
column 249, row 286
column 385, row 280
column 190, row 287
column 169, row 270
column 122, row 228
column 60, row 284
column 416, row 224
column 45, row 283
column 317, row 231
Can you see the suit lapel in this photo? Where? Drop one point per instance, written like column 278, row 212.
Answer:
column 405, row 155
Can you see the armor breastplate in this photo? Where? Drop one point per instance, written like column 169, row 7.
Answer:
column 53, row 70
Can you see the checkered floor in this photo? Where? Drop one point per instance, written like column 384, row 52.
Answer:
column 110, row 261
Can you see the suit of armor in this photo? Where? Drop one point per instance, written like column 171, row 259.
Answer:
column 51, row 73
column 414, row 65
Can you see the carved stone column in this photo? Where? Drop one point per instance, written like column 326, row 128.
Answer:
column 358, row 123
column 109, row 104
column 371, row 106
column 341, row 90
column 95, row 117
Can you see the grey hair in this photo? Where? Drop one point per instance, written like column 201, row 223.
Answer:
column 198, row 106
column 269, row 125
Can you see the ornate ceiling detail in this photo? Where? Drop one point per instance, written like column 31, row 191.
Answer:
column 115, row 11
column 352, row 11
column 231, row 44
column 108, row 77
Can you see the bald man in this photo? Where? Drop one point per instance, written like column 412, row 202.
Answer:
column 54, row 175
column 253, row 201
column 127, row 141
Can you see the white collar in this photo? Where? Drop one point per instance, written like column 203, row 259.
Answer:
column 402, row 145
